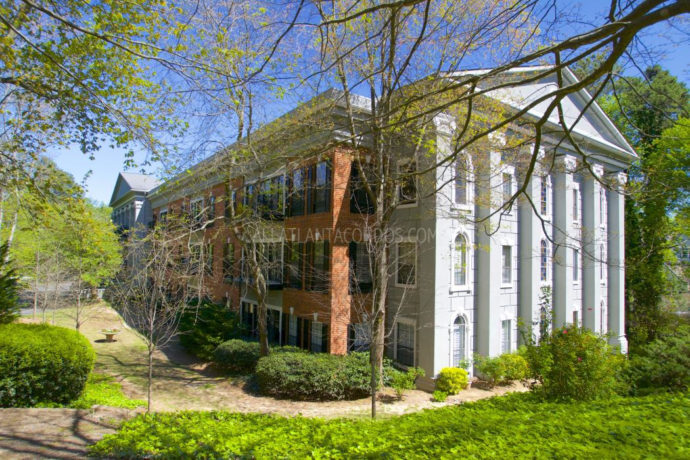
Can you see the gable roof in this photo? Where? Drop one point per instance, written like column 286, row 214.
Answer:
column 593, row 125
column 132, row 182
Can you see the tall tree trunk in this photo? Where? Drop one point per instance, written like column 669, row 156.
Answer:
column 36, row 285
column 263, row 311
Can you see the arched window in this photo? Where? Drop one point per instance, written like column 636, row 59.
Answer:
column 460, row 261
column 544, row 259
column 460, row 182
column 459, row 334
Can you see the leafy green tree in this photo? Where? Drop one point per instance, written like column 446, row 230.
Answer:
column 652, row 112
column 9, row 309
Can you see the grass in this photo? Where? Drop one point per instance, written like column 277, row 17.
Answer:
column 105, row 391
column 514, row 426
column 100, row 390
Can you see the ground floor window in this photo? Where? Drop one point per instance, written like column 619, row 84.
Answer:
column 404, row 344
column 358, row 337
column 459, row 334
column 248, row 315
column 506, row 338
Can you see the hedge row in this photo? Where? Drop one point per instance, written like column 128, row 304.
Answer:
column 41, row 364
column 317, row 376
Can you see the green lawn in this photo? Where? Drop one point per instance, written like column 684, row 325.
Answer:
column 514, row 426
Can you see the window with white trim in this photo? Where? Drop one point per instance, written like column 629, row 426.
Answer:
column 544, row 196
column 460, row 182
column 506, row 339
column 406, row 273
column 407, row 191
column 460, row 261
column 459, row 340
column 507, row 264
column 576, row 204
column 576, row 265
column 544, row 260
column 404, row 343
column 507, row 188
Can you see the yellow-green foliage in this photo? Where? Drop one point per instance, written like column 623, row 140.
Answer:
column 514, row 426
column 451, row 380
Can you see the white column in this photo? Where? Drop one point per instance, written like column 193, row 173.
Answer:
column 531, row 232
column 563, row 244
column 488, row 257
column 616, row 261
column 591, row 284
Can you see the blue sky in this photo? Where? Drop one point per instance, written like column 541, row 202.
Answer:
column 103, row 170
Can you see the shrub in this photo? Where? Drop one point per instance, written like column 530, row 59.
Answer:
column 576, row 364
column 401, row 381
column 316, row 376
column 451, row 380
column 42, row 364
column 663, row 364
column 503, row 368
column 439, row 396
column 202, row 329
column 237, row 355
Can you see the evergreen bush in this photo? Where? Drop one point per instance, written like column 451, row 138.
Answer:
column 663, row 364
column 317, row 376
column 451, row 380
column 42, row 364
column 9, row 308
column 204, row 328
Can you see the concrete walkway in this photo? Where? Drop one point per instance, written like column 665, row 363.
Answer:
column 55, row 433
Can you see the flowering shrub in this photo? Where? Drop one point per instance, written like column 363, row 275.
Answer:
column 575, row 364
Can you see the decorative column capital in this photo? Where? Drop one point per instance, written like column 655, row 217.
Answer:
column 567, row 163
column 617, row 179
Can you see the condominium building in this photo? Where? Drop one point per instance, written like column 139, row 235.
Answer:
column 469, row 272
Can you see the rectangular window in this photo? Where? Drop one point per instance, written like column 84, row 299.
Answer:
column 296, row 190
column 506, row 339
column 320, row 187
column 507, row 265
column 195, row 258
column 460, row 182
column 211, row 211
column 407, row 191
column 576, row 205
column 272, row 260
column 163, row 216
column 318, row 258
column 576, row 265
column 293, row 333
column 507, row 187
column 360, row 268
column 358, row 337
column 294, row 262
column 360, row 202
column 229, row 262
column 407, row 263
column 196, row 212
column 316, row 337
column 544, row 203
column 404, row 344
column 230, row 197
column 249, row 198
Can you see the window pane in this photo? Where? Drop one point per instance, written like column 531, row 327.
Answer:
column 507, row 187
column 316, row 337
column 576, row 265
column 321, row 187
column 459, row 331
column 544, row 260
column 406, row 263
column 460, row 263
column 408, row 183
column 405, row 344
column 576, row 205
column 507, row 275
column 506, row 332
column 461, row 182
column 544, row 195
